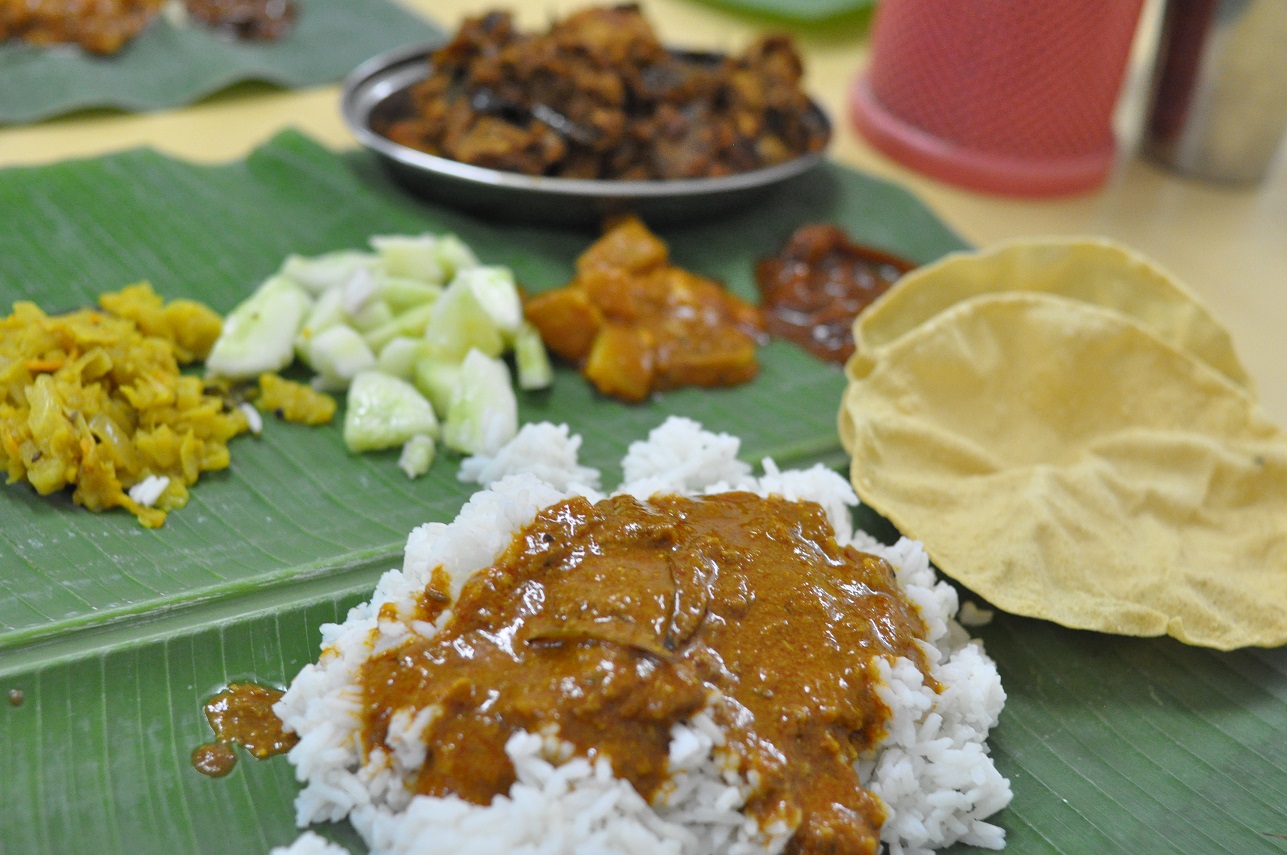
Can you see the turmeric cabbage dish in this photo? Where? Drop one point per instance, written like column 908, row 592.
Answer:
column 95, row 400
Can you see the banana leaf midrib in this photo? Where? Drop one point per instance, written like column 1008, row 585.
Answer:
column 338, row 569
column 167, row 620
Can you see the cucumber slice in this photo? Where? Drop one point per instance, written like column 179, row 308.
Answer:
column 338, row 355
column 326, row 313
column 259, row 335
column 402, row 293
column 454, row 255
column 324, row 272
column 495, row 291
column 531, row 359
column 436, row 379
column 412, row 322
column 411, row 256
column 417, row 455
column 460, row 323
column 398, row 357
column 360, row 289
column 375, row 314
column 385, row 412
column 483, row 412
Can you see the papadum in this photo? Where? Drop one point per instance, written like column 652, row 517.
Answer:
column 1066, row 461
column 1091, row 269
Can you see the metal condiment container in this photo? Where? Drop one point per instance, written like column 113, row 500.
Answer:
column 1219, row 102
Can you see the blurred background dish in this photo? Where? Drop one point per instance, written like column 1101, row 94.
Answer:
column 176, row 62
column 378, row 92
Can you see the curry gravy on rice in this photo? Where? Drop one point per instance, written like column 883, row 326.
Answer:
column 613, row 621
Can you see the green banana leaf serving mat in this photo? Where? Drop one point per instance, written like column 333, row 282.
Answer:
column 169, row 65
column 798, row 11
column 112, row 636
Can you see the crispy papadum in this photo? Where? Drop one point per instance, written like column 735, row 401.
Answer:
column 1095, row 270
column 1068, row 462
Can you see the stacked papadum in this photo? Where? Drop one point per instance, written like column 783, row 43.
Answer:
column 1069, row 432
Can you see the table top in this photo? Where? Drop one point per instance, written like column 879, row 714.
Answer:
column 1229, row 244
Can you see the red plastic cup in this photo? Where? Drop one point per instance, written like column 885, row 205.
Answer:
column 1013, row 97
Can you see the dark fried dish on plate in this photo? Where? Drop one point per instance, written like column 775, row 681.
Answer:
column 598, row 96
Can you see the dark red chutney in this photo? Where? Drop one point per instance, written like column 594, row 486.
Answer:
column 812, row 290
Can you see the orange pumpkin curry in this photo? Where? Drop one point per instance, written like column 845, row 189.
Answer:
column 611, row 622
column 636, row 324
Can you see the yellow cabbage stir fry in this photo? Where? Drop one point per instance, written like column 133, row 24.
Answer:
column 95, row 400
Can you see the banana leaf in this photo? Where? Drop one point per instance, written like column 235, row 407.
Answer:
column 112, row 636
column 799, row 11
column 168, row 66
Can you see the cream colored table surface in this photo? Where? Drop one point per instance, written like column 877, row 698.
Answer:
column 1228, row 244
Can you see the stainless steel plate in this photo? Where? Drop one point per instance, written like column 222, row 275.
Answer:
column 377, row 91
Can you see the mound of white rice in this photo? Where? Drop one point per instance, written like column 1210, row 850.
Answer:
column 933, row 770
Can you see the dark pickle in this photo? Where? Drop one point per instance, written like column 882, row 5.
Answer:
column 814, row 288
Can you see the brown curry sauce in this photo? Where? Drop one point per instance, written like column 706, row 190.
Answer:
column 613, row 621
column 242, row 714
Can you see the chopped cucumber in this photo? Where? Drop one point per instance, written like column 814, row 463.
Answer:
column 411, row 256
column 436, row 379
column 412, row 322
column 324, row 272
column 417, row 455
column 259, row 335
column 531, row 359
column 483, row 412
column 385, row 412
column 439, row 320
column 398, row 357
column 495, row 291
column 338, row 355
column 402, row 294
column 460, row 323
column 454, row 255
column 374, row 315
column 326, row 313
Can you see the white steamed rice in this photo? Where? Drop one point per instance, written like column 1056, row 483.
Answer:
column 933, row 770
